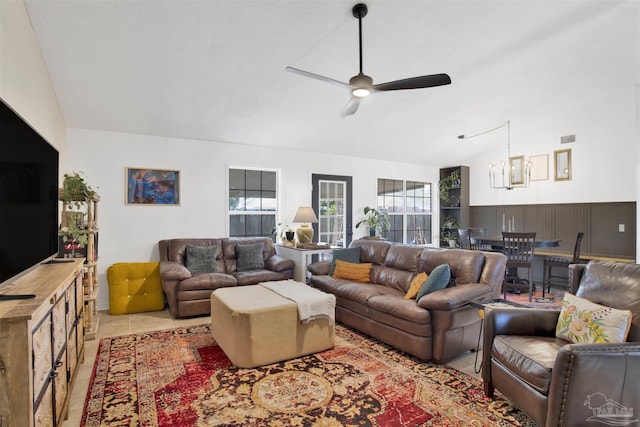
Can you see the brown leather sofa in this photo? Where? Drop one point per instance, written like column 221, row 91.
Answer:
column 441, row 324
column 189, row 295
column 561, row 384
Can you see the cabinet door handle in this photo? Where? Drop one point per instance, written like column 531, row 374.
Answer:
column 3, row 370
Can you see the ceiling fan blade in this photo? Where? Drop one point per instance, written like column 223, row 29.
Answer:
column 317, row 77
column 351, row 107
column 415, row 82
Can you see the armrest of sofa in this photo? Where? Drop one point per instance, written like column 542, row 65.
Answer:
column 320, row 268
column 279, row 263
column 171, row 270
column 455, row 296
column 586, row 375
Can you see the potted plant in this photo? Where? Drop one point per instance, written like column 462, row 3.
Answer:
column 448, row 182
column 73, row 237
column 284, row 233
column 375, row 220
column 450, row 230
column 75, row 190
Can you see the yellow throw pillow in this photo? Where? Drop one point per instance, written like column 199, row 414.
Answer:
column 351, row 271
column 582, row 321
column 415, row 286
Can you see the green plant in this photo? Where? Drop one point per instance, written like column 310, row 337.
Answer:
column 450, row 228
column 446, row 183
column 75, row 235
column 75, row 190
column 375, row 219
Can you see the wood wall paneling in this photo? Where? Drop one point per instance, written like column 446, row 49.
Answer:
column 599, row 222
column 606, row 240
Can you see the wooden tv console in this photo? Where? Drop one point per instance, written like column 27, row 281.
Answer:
column 41, row 343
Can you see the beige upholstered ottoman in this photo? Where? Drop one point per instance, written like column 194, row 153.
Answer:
column 256, row 326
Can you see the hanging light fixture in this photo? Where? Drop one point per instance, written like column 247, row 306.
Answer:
column 515, row 165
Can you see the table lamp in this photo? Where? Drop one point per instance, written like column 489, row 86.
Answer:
column 305, row 215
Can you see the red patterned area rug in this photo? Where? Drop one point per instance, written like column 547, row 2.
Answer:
column 180, row 377
column 551, row 301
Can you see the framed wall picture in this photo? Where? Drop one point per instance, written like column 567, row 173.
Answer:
column 516, row 165
column 562, row 165
column 152, row 186
column 539, row 167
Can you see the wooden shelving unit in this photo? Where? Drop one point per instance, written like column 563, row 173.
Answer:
column 89, row 211
column 457, row 204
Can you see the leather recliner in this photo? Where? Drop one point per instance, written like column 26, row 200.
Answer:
column 558, row 383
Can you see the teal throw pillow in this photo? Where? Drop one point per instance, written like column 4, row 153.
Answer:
column 201, row 259
column 438, row 279
column 249, row 257
column 351, row 255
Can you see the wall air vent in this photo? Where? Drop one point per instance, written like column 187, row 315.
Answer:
column 567, row 139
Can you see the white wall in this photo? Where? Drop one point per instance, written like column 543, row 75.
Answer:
column 604, row 156
column 131, row 233
column 24, row 81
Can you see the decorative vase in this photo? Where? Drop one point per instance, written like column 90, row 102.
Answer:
column 372, row 232
column 290, row 235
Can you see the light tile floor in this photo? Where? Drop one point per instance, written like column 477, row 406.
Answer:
column 135, row 323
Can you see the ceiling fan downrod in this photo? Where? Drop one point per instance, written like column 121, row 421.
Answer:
column 360, row 11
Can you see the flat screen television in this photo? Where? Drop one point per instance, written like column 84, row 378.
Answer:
column 28, row 196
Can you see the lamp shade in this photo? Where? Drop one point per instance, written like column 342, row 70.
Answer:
column 305, row 214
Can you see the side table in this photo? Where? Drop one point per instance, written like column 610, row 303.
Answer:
column 301, row 258
column 482, row 305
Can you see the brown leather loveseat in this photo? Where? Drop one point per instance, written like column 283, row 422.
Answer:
column 441, row 324
column 558, row 383
column 190, row 294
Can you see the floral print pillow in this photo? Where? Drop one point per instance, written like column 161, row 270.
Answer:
column 582, row 321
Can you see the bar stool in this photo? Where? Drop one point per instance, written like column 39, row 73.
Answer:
column 518, row 248
column 560, row 262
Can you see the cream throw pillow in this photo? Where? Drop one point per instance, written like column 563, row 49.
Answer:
column 582, row 321
column 415, row 286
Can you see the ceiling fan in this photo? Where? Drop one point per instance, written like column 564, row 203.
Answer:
column 361, row 85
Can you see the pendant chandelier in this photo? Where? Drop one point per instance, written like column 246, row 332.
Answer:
column 518, row 172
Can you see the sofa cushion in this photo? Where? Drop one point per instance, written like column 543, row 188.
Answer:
column 352, row 271
column 438, row 279
column 530, row 358
column 207, row 281
column 200, row 259
column 349, row 255
column 249, row 257
column 393, row 304
column 416, row 285
column 582, row 321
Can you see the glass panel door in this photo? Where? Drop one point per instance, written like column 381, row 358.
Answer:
column 331, row 199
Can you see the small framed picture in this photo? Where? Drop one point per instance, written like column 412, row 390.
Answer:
column 539, row 167
column 516, row 164
column 152, row 186
column 562, row 165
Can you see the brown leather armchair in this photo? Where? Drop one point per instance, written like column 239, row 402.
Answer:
column 558, row 383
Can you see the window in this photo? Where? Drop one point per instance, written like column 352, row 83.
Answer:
column 408, row 204
column 253, row 202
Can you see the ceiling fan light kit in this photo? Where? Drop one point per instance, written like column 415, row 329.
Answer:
column 361, row 85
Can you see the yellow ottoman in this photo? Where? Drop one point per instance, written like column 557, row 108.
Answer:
column 255, row 326
column 134, row 287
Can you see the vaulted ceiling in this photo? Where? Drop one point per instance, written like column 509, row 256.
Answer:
column 215, row 70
